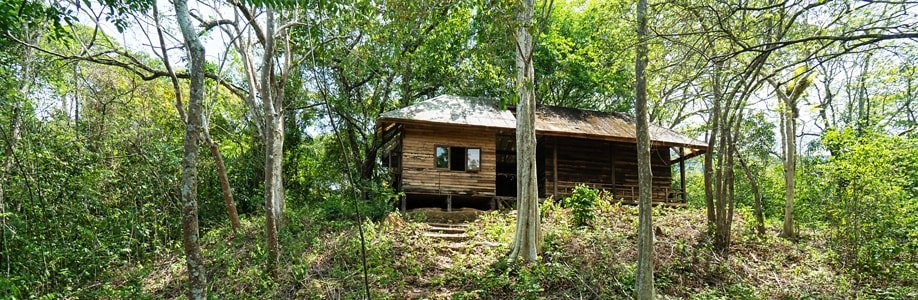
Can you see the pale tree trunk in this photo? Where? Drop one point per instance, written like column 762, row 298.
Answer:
column 278, row 170
column 214, row 150
column 789, row 143
column 273, row 145
column 790, row 166
column 644, row 276
column 269, row 115
column 194, row 259
column 528, row 234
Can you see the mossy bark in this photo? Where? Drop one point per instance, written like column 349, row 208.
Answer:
column 197, row 281
column 644, row 276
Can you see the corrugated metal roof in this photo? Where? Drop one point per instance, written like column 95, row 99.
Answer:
column 569, row 121
column 550, row 120
column 449, row 109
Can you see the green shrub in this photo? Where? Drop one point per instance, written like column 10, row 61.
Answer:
column 865, row 194
column 581, row 204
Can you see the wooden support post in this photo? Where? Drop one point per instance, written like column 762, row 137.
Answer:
column 554, row 172
column 404, row 204
column 449, row 203
column 682, row 175
column 612, row 166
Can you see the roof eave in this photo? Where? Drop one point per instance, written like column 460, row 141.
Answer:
column 384, row 120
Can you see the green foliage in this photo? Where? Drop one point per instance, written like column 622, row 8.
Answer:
column 865, row 194
column 92, row 186
column 18, row 18
column 583, row 57
column 581, row 204
column 89, row 198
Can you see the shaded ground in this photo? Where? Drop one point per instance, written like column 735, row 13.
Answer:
column 406, row 261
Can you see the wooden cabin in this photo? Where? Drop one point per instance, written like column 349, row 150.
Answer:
column 452, row 151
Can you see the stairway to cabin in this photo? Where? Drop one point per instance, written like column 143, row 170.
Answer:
column 446, row 231
column 450, row 240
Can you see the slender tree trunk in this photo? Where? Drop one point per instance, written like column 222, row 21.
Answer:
column 273, row 146
column 728, row 194
column 279, row 203
column 528, row 234
column 193, row 257
column 644, row 276
column 757, row 193
column 214, row 150
column 790, row 163
column 789, row 144
column 712, row 146
column 728, row 117
column 721, row 230
column 224, row 182
column 863, row 101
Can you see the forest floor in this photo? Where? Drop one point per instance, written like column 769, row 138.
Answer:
column 405, row 260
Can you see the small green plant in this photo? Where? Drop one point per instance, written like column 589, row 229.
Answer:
column 581, row 204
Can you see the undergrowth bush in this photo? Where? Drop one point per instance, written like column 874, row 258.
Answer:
column 581, row 204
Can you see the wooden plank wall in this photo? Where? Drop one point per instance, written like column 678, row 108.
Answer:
column 591, row 162
column 419, row 175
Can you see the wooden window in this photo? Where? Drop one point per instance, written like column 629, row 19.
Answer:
column 441, row 157
column 457, row 158
column 473, row 159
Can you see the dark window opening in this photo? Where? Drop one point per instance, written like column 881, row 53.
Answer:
column 457, row 158
column 505, row 180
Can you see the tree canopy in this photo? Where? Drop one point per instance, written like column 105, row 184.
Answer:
column 122, row 120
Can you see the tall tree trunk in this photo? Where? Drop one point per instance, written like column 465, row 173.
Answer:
column 789, row 144
column 644, row 276
column 721, row 232
column 721, row 182
column 727, row 198
column 279, row 203
column 273, row 146
column 214, row 150
column 193, row 258
column 528, row 234
column 712, row 146
column 790, row 165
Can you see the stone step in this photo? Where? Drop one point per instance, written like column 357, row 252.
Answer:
column 457, row 225
column 447, row 236
column 440, row 229
column 463, row 245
